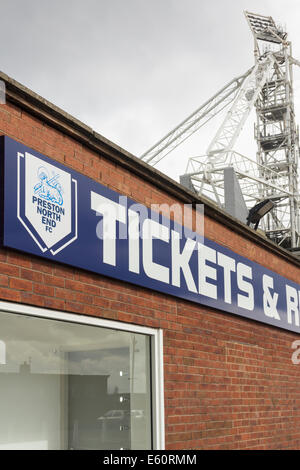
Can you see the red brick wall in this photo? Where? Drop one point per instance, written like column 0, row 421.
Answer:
column 229, row 382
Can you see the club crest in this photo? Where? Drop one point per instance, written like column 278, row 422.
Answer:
column 49, row 188
column 47, row 203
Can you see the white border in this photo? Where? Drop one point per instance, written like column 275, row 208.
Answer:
column 19, row 154
column 18, row 205
column 76, row 223
column 156, row 354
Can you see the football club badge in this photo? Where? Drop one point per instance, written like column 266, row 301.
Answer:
column 47, row 203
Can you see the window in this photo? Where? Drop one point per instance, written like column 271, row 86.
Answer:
column 75, row 382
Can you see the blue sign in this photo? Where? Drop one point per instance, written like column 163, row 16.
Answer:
column 52, row 211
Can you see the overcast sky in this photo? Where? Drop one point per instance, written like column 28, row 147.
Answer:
column 133, row 69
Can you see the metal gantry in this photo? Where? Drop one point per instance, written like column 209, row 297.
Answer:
column 268, row 86
column 192, row 123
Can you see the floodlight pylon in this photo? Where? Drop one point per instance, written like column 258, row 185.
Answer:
column 267, row 87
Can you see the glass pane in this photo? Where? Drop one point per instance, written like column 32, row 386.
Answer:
column 65, row 385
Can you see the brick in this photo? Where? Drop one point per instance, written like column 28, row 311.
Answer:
column 42, row 266
column 9, row 294
column 3, row 255
column 90, row 289
column 98, row 311
column 19, row 260
column 54, row 280
column 9, row 269
column 31, row 275
column 101, row 302
column 3, row 280
column 74, row 285
column 32, row 299
column 20, row 284
column 84, row 298
column 64, row 294
column 56, row 304
column 73, row 163
column 63, row 271
column 74, row 307
column 44, row 290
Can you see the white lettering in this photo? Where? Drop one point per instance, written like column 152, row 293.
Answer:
column 296, row 354
column 112, row 212
column 206, row 253
column 245, row 301
column 134, row 241
column 180, row 261
column 269, row 301
column 228, row 265
column 292, row 304
column 152, row 229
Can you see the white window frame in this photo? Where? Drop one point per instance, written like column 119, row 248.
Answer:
column 156, row 335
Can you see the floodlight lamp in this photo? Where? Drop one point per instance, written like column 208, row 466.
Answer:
column 259, row 211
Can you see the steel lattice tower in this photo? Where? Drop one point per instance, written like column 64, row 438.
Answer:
column 267, row 86
column 276, row 132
